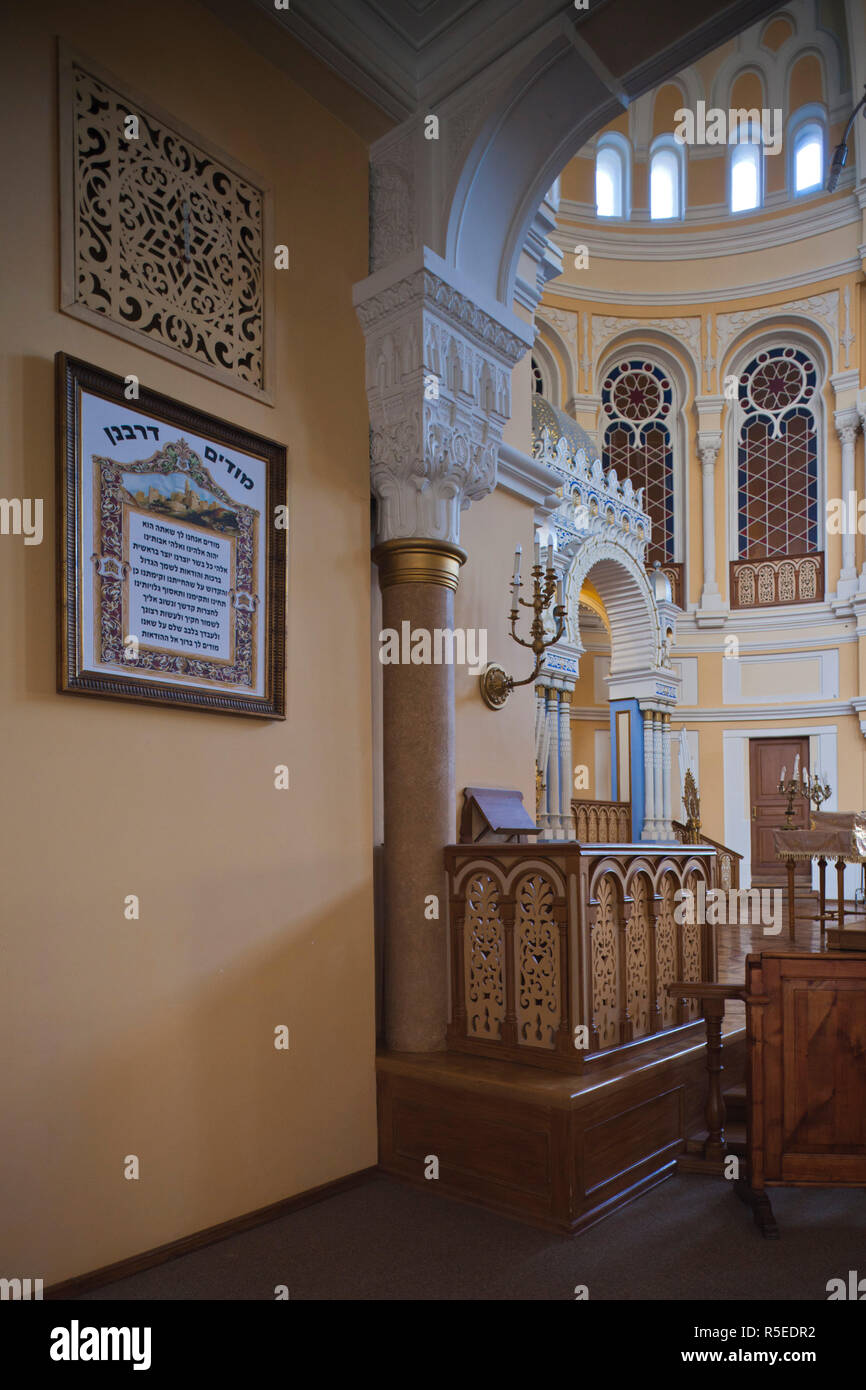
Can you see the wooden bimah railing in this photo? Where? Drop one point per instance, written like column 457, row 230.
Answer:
column 602, row 822
column 562, row 952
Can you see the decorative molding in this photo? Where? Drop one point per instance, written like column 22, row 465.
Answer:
column 565, row 323
column 635, row 241
column 667, row 299
column 529, row 479
column 393, row 230
column 827, row 659
column 822, row 309
column 606, row 327
column 847, row 337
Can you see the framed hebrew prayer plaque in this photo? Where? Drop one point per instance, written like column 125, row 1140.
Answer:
column 172, row 529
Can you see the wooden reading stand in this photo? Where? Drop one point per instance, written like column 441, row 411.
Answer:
column 493, row 813
column 805, row 1073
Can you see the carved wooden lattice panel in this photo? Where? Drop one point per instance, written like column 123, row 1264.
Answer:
column 537, row 946
column 638, row 945
column 605, row 965
column 691, row 947
column 485, row 959
column 162, row 239
column 666, row 951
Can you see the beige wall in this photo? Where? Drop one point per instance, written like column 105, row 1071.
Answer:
column 495, row 748
column 156, row 1037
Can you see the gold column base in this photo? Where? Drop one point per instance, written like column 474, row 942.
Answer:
column 419, row 560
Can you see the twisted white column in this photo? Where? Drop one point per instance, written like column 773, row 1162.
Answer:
column 552, row 798
column 667, row 828
column 565, row 771
column 648, row 831
column 658, row 794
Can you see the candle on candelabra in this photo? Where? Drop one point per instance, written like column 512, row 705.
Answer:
column 537, row 551
column 550, row 555
column 796, row 767
column 518, row 555
column 782, row 778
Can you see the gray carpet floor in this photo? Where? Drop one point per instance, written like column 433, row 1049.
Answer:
column 689, row 1238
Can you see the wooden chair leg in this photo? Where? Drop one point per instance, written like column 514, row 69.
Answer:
column 762, row 1211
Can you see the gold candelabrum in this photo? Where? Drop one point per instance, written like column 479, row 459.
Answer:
column 692, row 803
column 815, row 792
column 496, row 684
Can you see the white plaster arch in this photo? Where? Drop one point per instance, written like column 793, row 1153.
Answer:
column 552, row 341
column 550, row 374
column 555, row 97
column 739, row 64
column 785, row 330
column 627, row 594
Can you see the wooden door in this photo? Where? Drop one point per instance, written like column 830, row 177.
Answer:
column 767, row 757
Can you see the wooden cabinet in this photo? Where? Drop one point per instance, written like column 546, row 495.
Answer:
column 805, row 1075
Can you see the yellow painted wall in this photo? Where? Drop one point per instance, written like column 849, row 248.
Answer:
column 155, row 1037
column 495, row 748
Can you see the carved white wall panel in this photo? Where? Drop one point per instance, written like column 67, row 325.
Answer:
column 822, row 309
column 685, row 330
column 162, row 239
column 439, row 390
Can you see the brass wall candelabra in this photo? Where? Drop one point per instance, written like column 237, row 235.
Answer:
column 496, row 684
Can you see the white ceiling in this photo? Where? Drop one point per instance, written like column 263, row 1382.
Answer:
column 407, row 54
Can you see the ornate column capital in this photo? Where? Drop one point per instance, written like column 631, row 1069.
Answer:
column 848, row 422
column 709, row 444
column 439, row 390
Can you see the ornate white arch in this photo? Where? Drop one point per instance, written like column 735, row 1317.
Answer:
column 636, row 644
column 551, row 341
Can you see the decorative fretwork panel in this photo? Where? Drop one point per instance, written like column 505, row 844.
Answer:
column 485, row 958
column 605, row 964
column 537, row 946
column 771, row 583
column 163, row 241
column 637, row 400
column 561, row 952
column 691, row 948
column 638, row 956
column 667, row 956
column 777, row 464
column 602, row 822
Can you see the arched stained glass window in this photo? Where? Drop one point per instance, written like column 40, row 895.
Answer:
column 637, row 399
column 777, row 456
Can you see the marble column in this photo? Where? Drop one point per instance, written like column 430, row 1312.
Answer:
column 418, row 579
column 438, row 372
column 648, row 831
